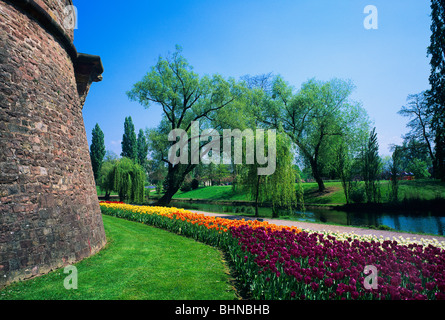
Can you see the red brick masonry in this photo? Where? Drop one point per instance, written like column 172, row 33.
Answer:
column 49, row 213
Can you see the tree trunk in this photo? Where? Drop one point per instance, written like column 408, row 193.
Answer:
column 175, row 178
column 440, row 157
column 167, row 197
column 257, row 196
column 317, row 175
column 275, row 212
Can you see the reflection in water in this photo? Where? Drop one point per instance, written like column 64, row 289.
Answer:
column 418, row 223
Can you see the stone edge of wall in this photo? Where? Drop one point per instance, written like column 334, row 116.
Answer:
column 88, row 68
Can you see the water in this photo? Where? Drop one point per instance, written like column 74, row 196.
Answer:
column 424, row 222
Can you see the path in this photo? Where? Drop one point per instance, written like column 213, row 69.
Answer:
column 334, row 228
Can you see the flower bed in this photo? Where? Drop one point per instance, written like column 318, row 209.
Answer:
column 276, row 262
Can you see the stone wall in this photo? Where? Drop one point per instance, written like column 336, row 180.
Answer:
column 49, row 212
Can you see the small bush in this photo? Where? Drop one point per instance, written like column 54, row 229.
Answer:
column 358, row 195
column 186, row 186
column 194, row 184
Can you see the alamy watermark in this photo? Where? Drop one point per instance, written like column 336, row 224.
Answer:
column 371, row 280
column 69, row 18
column 211, row 152
column 70, row 282
column 372, row 19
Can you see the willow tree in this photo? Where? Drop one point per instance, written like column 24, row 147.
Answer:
column 129, row 142
column 316, row 118
column 128, row 180
column 184, row 98
column 279, row 187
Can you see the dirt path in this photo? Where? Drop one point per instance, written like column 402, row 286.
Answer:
column 333, row 228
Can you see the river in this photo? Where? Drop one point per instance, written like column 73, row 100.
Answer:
column 425, row 222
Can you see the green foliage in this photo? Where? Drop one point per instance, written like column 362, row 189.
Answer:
column 105, row 179
column 129, row 142
column 372, row 168
column 186, row 186
column 357, row 195
column 419, row 139
column 277, row 188
column 159, row 187
column 318, row 117
column 142, row 148
column 395, row 173
column 128, row 180
column 419, row 168
column 184, row 97
column 194, row 184
column 436, row 94
column 343, row 167
column 97, row 150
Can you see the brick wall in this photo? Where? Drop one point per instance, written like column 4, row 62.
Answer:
column 49, row 213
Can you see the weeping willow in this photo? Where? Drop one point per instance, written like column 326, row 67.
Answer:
column 128, row 180
column 279, row 188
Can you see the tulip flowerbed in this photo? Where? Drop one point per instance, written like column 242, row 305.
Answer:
column 275, row 262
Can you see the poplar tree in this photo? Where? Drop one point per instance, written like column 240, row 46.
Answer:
column 97, row 150
column 436, row 95
column 371, row 168
column 142, row 148
column 129, row 142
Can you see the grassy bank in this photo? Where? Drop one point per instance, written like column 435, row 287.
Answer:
column 139, row 263
column 334, row 195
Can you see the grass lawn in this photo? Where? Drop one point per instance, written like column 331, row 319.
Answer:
column 212, row 193
column 418, row 189
column 335, row 194
column 139, row 263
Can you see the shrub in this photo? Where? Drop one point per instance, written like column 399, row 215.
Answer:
column 186, row 186
column 194, row 184
column 358, row 195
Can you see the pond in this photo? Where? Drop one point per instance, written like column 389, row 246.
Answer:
column 424, row 222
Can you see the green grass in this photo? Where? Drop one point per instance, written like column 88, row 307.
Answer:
column 212, row 193
column 101, row 193
column 334, row 195
column 139, row 263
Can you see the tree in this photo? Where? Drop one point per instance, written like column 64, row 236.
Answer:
column 97, row 150
column 343, row 166
column 395, row 173
column 128, row 179
column 371, row 168
column 436, row 94
column 184, row 97
column 105, row 180
column 142, row 148
column 129, row 143
column 420, row 121
column 316, row 118
column 414, row 157
column 211, row 173
column 277, row 188
column 419, row 168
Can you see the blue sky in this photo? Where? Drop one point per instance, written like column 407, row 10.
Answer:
column 298, row 39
